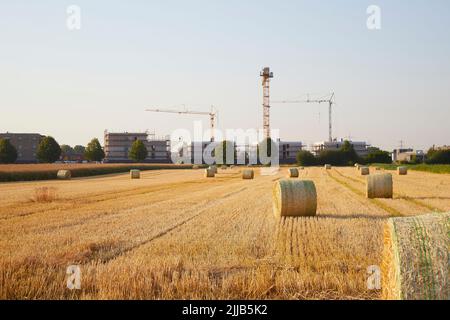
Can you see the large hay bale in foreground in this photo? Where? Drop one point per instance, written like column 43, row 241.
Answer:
column 379, row 186
column 327, row 166
column 210, row 173
column 135, row 174
column 402, row 171
column 415, row 258
column 364, row 171
column 294, row 198
column 293, row 172
column 248, row 174
column 64, row 174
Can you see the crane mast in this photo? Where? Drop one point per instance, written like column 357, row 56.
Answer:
column 266, row 75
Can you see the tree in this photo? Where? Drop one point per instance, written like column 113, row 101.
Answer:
column 332, row 157
column 8, row 153
column 378, row 156
column 48, row 150
column 306, row 158
column 94, row 151
column 138, row 151
column 66, row 151
column 79, row 149
column 349, row 155
column 439, row 157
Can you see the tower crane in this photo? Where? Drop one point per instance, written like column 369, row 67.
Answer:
column 330, row 102
column 266, row 75
column 212, row 116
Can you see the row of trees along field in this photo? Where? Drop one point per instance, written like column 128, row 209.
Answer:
column 347, row 156
column 50, row 151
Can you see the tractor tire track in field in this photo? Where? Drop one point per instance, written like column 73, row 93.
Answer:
column 167, row 230
column 394, row 212
column 116, row 212
column 396, row 195
column 111, row 196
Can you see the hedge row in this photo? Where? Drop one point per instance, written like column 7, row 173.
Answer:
column 79, row 172
column 433, row 168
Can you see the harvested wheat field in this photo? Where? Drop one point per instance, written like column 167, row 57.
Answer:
column 179, row 235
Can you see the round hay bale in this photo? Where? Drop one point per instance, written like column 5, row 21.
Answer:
column 293, row 173
column 210, row 173
column 415, row 258
column 328, row 166
column 294, row 198
column 135, row 174
column 213, row 168
column 248, row 174
column 402, row 171
column 379, row 186
column 64, row 174
column 364, row 171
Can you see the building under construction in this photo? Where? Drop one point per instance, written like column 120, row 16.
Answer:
column 118, row 145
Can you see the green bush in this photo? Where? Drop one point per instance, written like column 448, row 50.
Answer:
column 306, row 158
column 48, row 150
column 439, row 157
column 378, row 156
column 332, row 157
column 348, row 153
column 138, row 151
column 8, row 153
column 94, row 151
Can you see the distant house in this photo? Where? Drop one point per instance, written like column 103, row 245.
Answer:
column 408, row 155
column 26, row 145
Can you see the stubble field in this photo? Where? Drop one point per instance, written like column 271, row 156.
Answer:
column 178, row 235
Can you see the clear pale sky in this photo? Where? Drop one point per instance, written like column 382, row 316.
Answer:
column 391, row 84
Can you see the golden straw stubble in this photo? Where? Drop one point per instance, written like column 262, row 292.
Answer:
column 294, row 198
